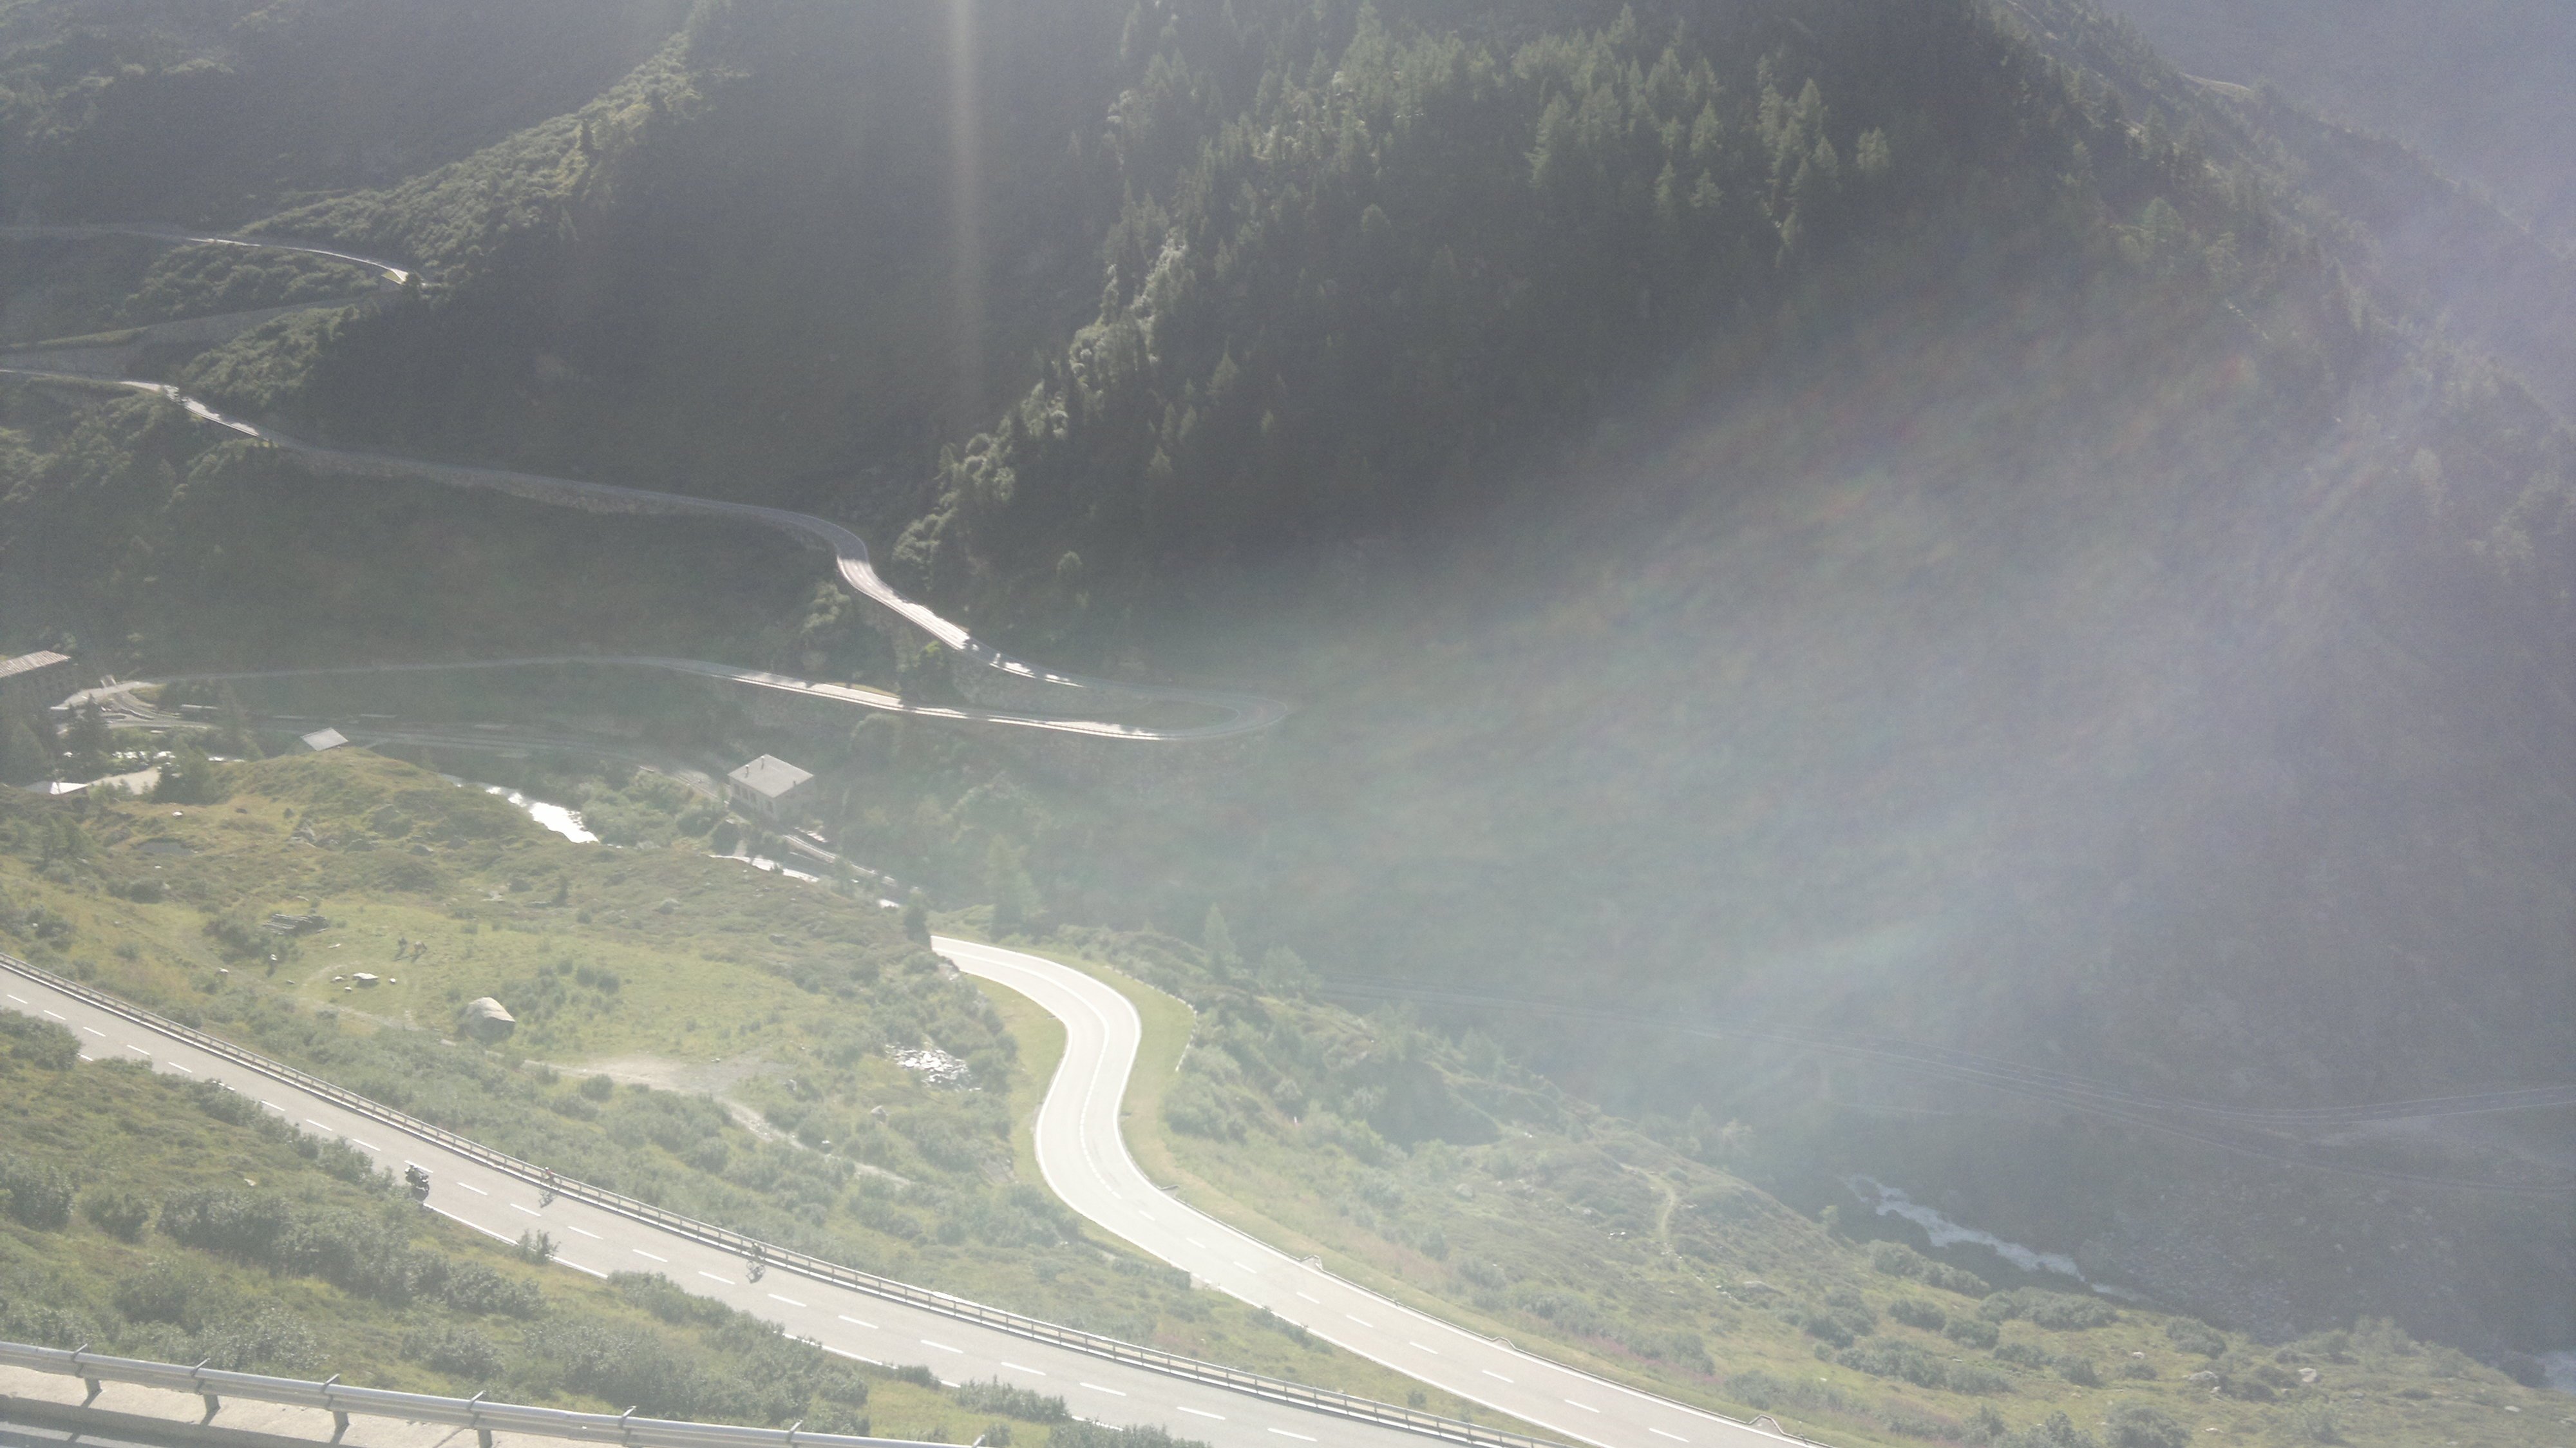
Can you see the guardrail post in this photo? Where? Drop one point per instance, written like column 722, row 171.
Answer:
column 339, row 1418
column 96, row 1387
column 474, row 1415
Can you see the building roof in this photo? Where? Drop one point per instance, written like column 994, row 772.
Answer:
column 769, row 776
column 321, row 739
column 29, row 663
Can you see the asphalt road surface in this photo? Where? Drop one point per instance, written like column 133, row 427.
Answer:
column 598, row 1241
column 1085, row 1162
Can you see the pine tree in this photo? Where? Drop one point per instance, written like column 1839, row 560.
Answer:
column 22, row 759
column 1218, row 942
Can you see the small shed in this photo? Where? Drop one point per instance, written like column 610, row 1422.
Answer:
column 321, row 739
column 768, row 787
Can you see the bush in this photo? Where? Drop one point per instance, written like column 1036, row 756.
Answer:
column 162, row 1292
column 2078, row 1370
column 457, row 1349
column 34, row 1194
column 1025, row 1404
column 1925, row 1370
column 1971, row 1331
column 2054, row 1311
column 2137, row 1425
column 1898, row 1260
column 122, row 1215
column 1756, row 1389
column 599, row 1088
column 1079, row 1434
column 1915, row 1312
column 41, row 1044
column 2022, row 1354
column 2192, row 1335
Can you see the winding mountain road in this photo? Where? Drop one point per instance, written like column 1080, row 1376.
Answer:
column 1086, row 1163
column 1080, row 1150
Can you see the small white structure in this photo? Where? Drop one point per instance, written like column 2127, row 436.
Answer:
column 769, row 787
column 321, row 739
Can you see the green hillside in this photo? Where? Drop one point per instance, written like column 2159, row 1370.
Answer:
column 1761, row 530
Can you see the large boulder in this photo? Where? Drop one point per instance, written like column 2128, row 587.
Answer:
column 485, row 1019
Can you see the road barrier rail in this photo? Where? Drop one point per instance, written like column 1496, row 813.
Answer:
column 1278, row 1390
column 485, row 1418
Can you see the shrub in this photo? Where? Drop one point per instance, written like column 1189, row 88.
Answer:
column 2137, row 1368
column 457, row 1349
column 1079, row 1434
column 1971, row 1331
column 598, row 1088
column 1915, row 1312
column 122, row 1215
column 1026, row 1404
column 2054, row 1431
column 2023, row 1354
column 161, row 1292
column 1756, row 1389
column 2138, row 1425
column 41, row 1044
column 34, row 1194
column 2077, row 1370
column 2054, row 1311
column 1898, row 1260
column 2192, row 1335
column 1925, row 1370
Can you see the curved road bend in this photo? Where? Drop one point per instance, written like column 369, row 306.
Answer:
column 181, row 236
column 597, row 1241
column 1243, row 713
column 1085, row 1162
column 854, row 695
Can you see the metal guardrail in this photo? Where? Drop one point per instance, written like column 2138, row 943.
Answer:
column 1279, row 1390
column 341, row 1400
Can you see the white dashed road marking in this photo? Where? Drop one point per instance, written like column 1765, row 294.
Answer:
column 1587, row 1407
column 1435, row 1352
column 1015, row 1367
column 790, row 1301
column 1362, row 1321
column 50, row 1013
column 369, row 1145
column 711, row 1277
column 1310, row 1297
column 1489, row 1372
column 1113, row 1392
column 93, row 1030
column 569, row 1227
column 514, row 1206
column 943, row 1347
column 647, row 1256
column 1284, row 1433
column 471, row 1187
column 1660, row 1433
column 175, row 1066
column 1199, row 1412
column 845, row 1317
